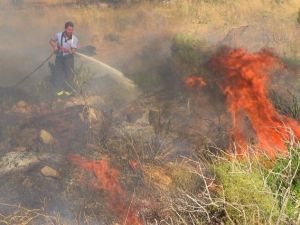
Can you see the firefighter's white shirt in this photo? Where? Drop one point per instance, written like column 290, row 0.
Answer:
column 68, row 43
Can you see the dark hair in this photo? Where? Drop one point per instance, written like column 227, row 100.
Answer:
column 69, row 24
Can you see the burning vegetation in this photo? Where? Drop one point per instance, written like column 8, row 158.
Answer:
column 107, row 178
column 245, row 85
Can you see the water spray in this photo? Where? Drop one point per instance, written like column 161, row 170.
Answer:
column 114, row 73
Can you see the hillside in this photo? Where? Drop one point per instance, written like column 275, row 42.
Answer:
column 186, row 112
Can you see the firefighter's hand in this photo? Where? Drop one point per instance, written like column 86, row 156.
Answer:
column 73, row 50
column 55, row 49
column 65, row 50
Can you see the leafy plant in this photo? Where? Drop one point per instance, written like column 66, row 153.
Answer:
column 187, row 49
column 284, row 179
column 249, row 200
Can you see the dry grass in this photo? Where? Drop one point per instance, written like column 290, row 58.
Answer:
column 135, row 23
column 23, row 216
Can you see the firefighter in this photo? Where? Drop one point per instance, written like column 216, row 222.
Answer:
column 64, row 45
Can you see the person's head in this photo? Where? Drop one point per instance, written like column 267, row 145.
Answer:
column 69, row 27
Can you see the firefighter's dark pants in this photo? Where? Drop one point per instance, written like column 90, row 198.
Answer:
column 63, row 73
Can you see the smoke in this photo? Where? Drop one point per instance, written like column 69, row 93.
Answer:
column 23, row 44
column 125, row 39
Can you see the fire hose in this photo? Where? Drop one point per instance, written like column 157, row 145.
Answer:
column 32, row 72
column 114, row 73
column 90, row 49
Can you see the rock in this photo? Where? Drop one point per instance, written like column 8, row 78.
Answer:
column 48, row 171
column 22, row 107
column 46, row 137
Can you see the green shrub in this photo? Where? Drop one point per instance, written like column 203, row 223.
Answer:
column 284, row 179
column 249, row 200
column 189, row 54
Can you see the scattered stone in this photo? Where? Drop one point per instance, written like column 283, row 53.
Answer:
column 48, row 171
column 46, row 137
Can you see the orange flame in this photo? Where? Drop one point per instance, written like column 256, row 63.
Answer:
column 244, row 84
column 194, row 81
column 107, row 179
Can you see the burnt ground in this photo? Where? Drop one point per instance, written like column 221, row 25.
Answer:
column 24, row 153
column 145, row 134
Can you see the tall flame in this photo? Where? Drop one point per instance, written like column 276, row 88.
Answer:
column 107, row 179
column 244, row 85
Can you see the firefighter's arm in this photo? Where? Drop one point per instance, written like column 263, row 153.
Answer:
column 53, row 44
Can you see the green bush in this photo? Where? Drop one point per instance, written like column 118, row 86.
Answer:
column 189, row 54
column 249, row 200
column 284, row 179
